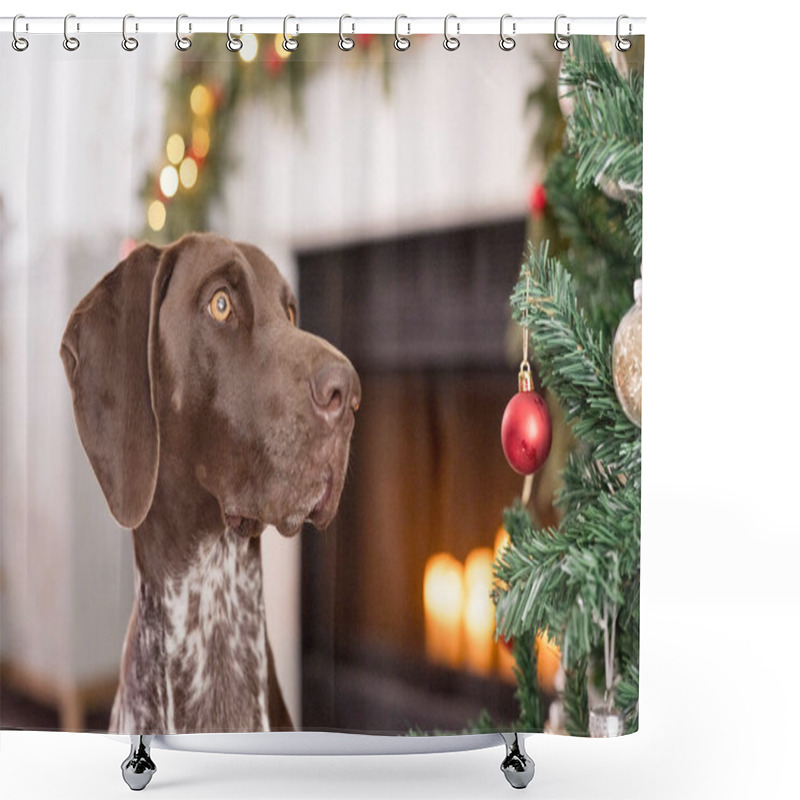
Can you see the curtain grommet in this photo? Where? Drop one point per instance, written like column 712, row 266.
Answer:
column 19, row 43
column 507, row 43
column 559, row 42
column 129, row 43
column 451, row 43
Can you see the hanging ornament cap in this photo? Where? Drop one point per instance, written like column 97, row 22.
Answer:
column 525, row 377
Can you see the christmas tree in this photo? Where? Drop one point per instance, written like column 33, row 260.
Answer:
column 578, row 581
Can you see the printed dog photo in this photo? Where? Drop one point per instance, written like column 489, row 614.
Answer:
column 321, row 392
column 207, row 415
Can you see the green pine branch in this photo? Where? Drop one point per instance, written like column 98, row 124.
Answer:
column 573, row 360
column 576, row 699
column 564, row 579
column 605, row 128
column 531, row 716
column 561, row 579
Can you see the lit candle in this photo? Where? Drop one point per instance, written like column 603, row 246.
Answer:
column 443, row 591
column 479, row 611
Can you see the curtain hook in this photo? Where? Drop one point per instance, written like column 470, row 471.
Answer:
column 623, row 44
column 345, row 42
column 560, row 43
column 19, row 43
column 507, row 42
column 451, row 42
column 401, row 42
column 129, row 43
column 234, row 43
column 71, row 43
column 289, row 43
column 182, row 42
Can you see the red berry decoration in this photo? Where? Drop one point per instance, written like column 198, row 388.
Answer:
column 538, row 200
column 526, row 431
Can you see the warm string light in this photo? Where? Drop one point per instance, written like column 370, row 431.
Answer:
column 280, row 51
column 183, row 169
column 175, row 148
column 249, row 48
column 156, row 215
column 186, row 156
column 168, row 181
column 188, row 172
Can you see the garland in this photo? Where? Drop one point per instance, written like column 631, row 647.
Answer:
column 207, row 87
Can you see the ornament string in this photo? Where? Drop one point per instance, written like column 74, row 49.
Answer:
column 608, row 647
column 527, row 484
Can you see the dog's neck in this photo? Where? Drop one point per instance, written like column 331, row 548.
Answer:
column 198, row 622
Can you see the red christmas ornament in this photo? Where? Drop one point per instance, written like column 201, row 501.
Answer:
column 526, row 431
column 538, row 200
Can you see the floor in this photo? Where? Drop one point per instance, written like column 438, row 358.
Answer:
column 20, row 712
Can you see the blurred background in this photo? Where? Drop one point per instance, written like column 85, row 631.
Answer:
column 395, row 191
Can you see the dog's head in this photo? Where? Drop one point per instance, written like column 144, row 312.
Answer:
column 188, row 360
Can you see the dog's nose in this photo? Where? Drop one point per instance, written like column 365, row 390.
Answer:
column 335, row 389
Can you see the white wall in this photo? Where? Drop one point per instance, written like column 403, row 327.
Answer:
column 74, row 137
column 363, row 164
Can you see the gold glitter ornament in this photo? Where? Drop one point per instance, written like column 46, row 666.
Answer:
column 627, row 359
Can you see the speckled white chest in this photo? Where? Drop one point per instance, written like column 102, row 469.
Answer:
column 200, row 647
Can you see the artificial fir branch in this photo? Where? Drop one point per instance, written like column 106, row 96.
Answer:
column 605, row 128
column 576, row 699
column 574, row 360
column 531, row 718
column 563, row 579
column 559, row 578
column 598, row 249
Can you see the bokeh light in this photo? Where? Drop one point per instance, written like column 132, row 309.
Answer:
column 188, row 172
column 175, row 148
column 200, row 100
column 156, row 215
column 249, row 47
column 168, row 181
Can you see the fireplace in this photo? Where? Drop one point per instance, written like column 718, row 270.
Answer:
column 424, row 319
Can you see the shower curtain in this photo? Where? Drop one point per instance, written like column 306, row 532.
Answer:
column 321, row 383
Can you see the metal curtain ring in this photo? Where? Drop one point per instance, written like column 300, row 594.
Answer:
column 623, row 44
column 234, row 43
column 345, row 42
column 451, row 42
column 129, row 43
column 507, row 42
column 560, row 43
column 289, row 44
column 19, row 43
column 182, row 42
column 401, row 42
column 70, row 42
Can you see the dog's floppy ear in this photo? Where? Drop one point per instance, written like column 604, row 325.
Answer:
column 105, row 350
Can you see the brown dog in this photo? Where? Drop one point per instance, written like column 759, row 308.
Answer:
column 206, row 415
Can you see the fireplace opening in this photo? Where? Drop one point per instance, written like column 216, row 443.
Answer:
column 397, row 630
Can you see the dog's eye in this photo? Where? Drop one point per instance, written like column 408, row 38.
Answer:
column 292, row 315
column 220, row 306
